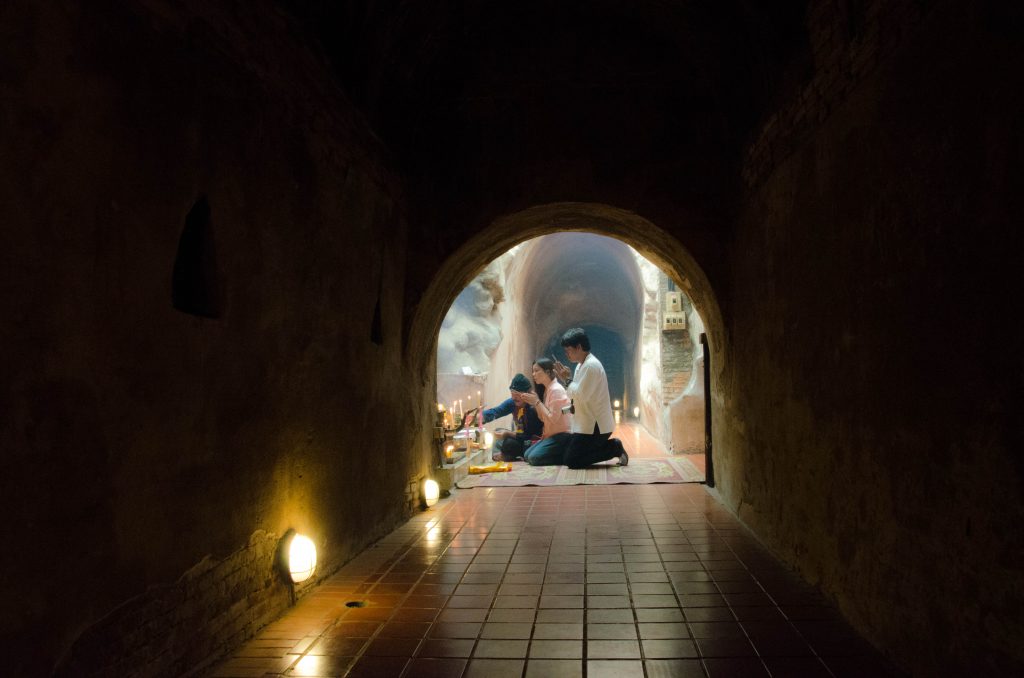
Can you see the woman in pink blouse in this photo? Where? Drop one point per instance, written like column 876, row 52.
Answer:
column 549, row 401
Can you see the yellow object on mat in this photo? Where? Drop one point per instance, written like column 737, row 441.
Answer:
column 497, row 467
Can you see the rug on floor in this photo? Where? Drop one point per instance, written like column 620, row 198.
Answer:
column 639, row 472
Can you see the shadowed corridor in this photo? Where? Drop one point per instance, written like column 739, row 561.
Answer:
column 232, row 231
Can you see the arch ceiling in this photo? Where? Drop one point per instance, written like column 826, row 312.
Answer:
column 575, row 279
column 515, row 103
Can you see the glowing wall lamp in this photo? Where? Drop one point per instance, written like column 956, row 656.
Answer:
column 301, row 558
column 636, row 412
column 431, row 491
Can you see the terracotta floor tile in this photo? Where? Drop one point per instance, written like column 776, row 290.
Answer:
column 471, row 614
column 319, row 665
column 618, row 589
column 446, row 647
column 567, row 631
column 564, row 578
column 337, row 646
column 369, row 614
column 654, row 601
column 561, row 602
column 236, row 670
column 560, row 616
column 716, row 630
column 489, row 590
column 604, row 602
column 641, row 588
column 669, row 648
column 492, row 577
column 610, row 615
column 378, row 667
column 725, row 647
column 674, row 668
column 554, row 668
column 613, row 649
column 433, row 590
column 403, row 630
column 556, row 649
column 506, row 630
column 455, row 630
column 520, row 590
column 648, row 577
column 494, row 668
column 659, row 615
column 415, row 614
column 392, row 647
column 423, row 601
column 662, row 630
column 614, row 669
column 611, row 632
column 709, row 614
column 459, row 602
column 501, row 649
column 435, row 668
column 512, row 615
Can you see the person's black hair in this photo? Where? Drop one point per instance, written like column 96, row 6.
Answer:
column 548, row 365
column 576, row 337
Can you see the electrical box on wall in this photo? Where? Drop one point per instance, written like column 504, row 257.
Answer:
column 673, row 321
column 673, row 302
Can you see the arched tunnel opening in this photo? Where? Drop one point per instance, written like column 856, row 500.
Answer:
column 641, row 327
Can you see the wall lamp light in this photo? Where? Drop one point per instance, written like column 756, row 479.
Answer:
column 298, row 556
column 431, row 492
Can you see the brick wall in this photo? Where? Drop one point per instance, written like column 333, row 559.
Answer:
column 173, row 629
column 676, row 349
column 847, row 40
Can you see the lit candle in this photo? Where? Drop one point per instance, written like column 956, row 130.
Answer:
column 448, row 451
column 478, row 403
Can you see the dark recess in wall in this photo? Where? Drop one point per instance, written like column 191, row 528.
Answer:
column 194, row 281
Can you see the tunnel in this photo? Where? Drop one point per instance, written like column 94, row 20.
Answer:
column 579, row 280
column 232, row 232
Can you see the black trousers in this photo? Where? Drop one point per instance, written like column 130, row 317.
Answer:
column 586, row 449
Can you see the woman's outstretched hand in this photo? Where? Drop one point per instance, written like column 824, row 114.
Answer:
column 530, row 398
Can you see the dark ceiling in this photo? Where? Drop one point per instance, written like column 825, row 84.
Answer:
column 522, row 103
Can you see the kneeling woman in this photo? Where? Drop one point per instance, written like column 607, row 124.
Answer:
column 549, row 401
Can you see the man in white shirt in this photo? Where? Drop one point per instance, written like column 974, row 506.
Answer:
column 592, row 421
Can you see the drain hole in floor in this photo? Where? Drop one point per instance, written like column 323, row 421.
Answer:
column 356, row 603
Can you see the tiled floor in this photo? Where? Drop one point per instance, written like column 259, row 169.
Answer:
column 642, row 445
column 595, row 581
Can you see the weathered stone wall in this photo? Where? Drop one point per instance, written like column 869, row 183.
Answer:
column 867, row 427
column 140, row 442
